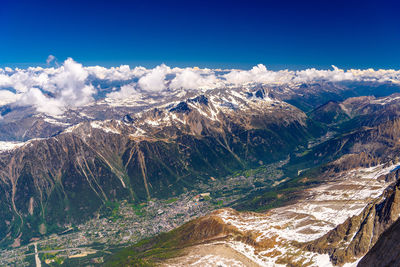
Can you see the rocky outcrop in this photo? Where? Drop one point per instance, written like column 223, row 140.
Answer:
column 182, row 107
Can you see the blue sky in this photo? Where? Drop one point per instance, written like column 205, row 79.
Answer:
column 280, row 34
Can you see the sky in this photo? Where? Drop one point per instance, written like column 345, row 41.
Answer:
column 216, row 34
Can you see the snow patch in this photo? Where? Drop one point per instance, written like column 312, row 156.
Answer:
column 102, row 126
column 8, row 146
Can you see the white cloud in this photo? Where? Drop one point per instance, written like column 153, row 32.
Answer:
column 121, row 73
column 154, row 81
column 7, row 97
column 126, row 91
column 68, row 86
column 5, row 81
column 258, row 74
column 189, row 79
column 35, row 97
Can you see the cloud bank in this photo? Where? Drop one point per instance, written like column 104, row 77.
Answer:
column 53, row 90
column 48, row 90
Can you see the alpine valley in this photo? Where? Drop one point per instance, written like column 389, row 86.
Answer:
column 199, row 167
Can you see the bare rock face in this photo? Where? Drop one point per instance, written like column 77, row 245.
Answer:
column 358, row 234
column 386, row 251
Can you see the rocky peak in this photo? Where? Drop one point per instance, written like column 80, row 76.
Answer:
column 182, row 107
column 127, row 119
column 260, row 93
column 201, row 99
